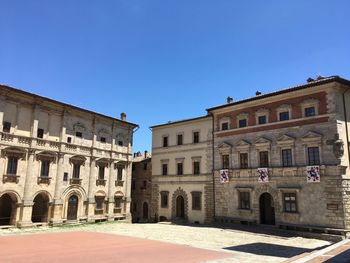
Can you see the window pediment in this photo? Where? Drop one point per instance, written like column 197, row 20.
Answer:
column 262, row 141
column 14, row 151
column 225, row 148
column 242, row 144
column 46, row 155
column 77, row 159
column 285, row 139
column 311, row 136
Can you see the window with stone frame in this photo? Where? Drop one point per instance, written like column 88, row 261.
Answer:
column 165, row 141
column 287, row 159
column 65, row 177
column 164, row 199
column 243, row 160
column 310, row 107
column 264, row 159
column 313, row 154
column 262, row 119
column 45, row 168
column 242, row 123
column 290, row 202
column 224, row 126
column 76, row 170
column 225, row 161
column 79, row 134
column 309, row 111
column 196, row 167
column 180, row 139
column 40, row 133
column 12, row 163
column 196, row 137
column 6, row 126
column 120, row 173
column 196, row 200
column 284, row 112
column 101, row 172
column 244, row 200
column 103, row 139
column 179, row 168
column 99, row 202
column 117, row 202
column 284, row 116
column 164, row 169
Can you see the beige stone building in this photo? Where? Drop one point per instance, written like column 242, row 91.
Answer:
column 141, row 188
column 286, row 155
column 61, row 163
column 182, row 170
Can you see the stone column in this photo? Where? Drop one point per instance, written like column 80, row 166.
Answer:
column 111, row 190
column 27, row 204
column 58, row 201
column 91, row 190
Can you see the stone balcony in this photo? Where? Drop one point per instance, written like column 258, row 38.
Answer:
column 119, row 183
column 75, row 181
column 44, row 180
column 101, row 182
column 10, row 178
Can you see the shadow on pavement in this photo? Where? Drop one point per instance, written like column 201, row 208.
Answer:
column 343, row 257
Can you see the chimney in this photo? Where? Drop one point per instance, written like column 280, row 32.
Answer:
column 257, row 93
column 123, row 116
column 138, row 154
column 310, row 80
column 229, row 99
column 146, row 154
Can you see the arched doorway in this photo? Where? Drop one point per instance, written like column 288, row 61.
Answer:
column 180, row 206
column 145, row 211
column 40, row 208
column 7, row 209
column 267, row 210
column 72, row 210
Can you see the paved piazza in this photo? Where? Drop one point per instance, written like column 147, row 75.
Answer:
column 133, row 242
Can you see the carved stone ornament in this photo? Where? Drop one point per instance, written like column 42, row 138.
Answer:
column 338, row 148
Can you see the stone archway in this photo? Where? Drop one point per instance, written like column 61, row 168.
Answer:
column 40, row 210
column 267, row 210
column 8, row 209
column 179, row 204
column 267, row 205
column 72, row 210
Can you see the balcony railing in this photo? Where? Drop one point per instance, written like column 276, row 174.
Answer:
column 101, row 182
column 76, row 181
column 44, row 180
column 10, row 178
column 119, row 183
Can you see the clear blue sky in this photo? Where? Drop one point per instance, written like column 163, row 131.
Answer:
column 161, row 60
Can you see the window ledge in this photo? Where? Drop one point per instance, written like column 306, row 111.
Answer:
column 10, row 178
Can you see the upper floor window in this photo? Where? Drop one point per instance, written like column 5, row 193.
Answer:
column 165, row 141
column 262, row 119
column 12, row 162
column 40, row 133
column 45, row 167
column 118, row 202
column 224, row 126
column 103, row 139
column 225, row 161
column 284, row 115
column 120, row 174
column 196, row 167
column 180, row 169
column 264, row 158
column 69, row 139
column 284, row 112
column 6, row 126
column 179, row 139
column 243, row 160
column 290, row 202
column 120, row 143
column 76, row 170
column 164, row 169
column 242, row 123
column 196, row 137
column 310, row 107
column 79, row 134
column 309, row 111
column 286, row 157
column 101, row 172
column 313, row 155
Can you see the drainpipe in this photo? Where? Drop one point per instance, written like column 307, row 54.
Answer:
column 213, row 162
column 346, row 127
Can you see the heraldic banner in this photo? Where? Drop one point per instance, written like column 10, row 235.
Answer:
column 313, row 174
column 224, row 176
column 263, row 175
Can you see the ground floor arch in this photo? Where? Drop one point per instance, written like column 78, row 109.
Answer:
column 72, row 209
column 267, row 210
column 40, row 211
column 8, row 209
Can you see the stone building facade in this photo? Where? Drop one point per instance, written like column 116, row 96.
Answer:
column 286, row 155
column 182, row 187
column 141, row 188
column 61, row 163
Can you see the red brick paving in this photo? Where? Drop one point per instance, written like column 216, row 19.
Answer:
column 85, row 247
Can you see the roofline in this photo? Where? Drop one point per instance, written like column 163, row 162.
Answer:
column 283, row 91
column 66, row 104
column 180, row 121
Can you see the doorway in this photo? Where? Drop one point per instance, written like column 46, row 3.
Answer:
column 72, row 208
column 40, row 208
column 7, row 210
column 267, row 211
column 180, row 206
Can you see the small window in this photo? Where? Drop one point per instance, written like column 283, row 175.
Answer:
column 6, row 126
column 244, row 198
column 145, row 166
column 290, row 202
column 118, row 202
column 196, row 201
column 103, row 139
column 101, row 172
column 79, row 134
column 224, row 126
column 45, row 167
column 164, row 199
column 165, row 141
column 12, row 165
column 76, row 171
column 264, row 158
column 242, row 123
column 69, row 139
column 164, row 169
column 244, row 160
column 196, row 167
column 313, row 155
column 65, row 177
column 195, row 137
column 99, row 202
column 119, row 174
column 179, row 139
column 180, row 169
column 286, row 157
column 225, row 161
column 309, row 111
column 40, row 133
column 284, row 116
column 120, row 143
column 262, row 119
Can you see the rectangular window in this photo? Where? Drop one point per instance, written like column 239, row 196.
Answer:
column 164, row 199
column 262, row 119
column 40, row 133
column 101, row 172
column 119, row 174
column 103, row 139
column 244, row 160
column 264, row 159
column 179, row 139
column 309, row 111
column 284, row 116
column 225, row 161
column 180, row 169
column 195, row 137
column 65, row 177
column 99, row 202
column 165, row 141
column 313, row 156
column 290, row 202
column 79, row 134
column 120, row 143
column 76, row 171
column 118, row 202
column 12, row 165
column 196, row 167
column 69, row 139
column 164, row 169
column 6, row 126
column 45, row 166
column 242, row 123
column 244, row 198
column 224, row 126
column 286, row 157
column 196, row 201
